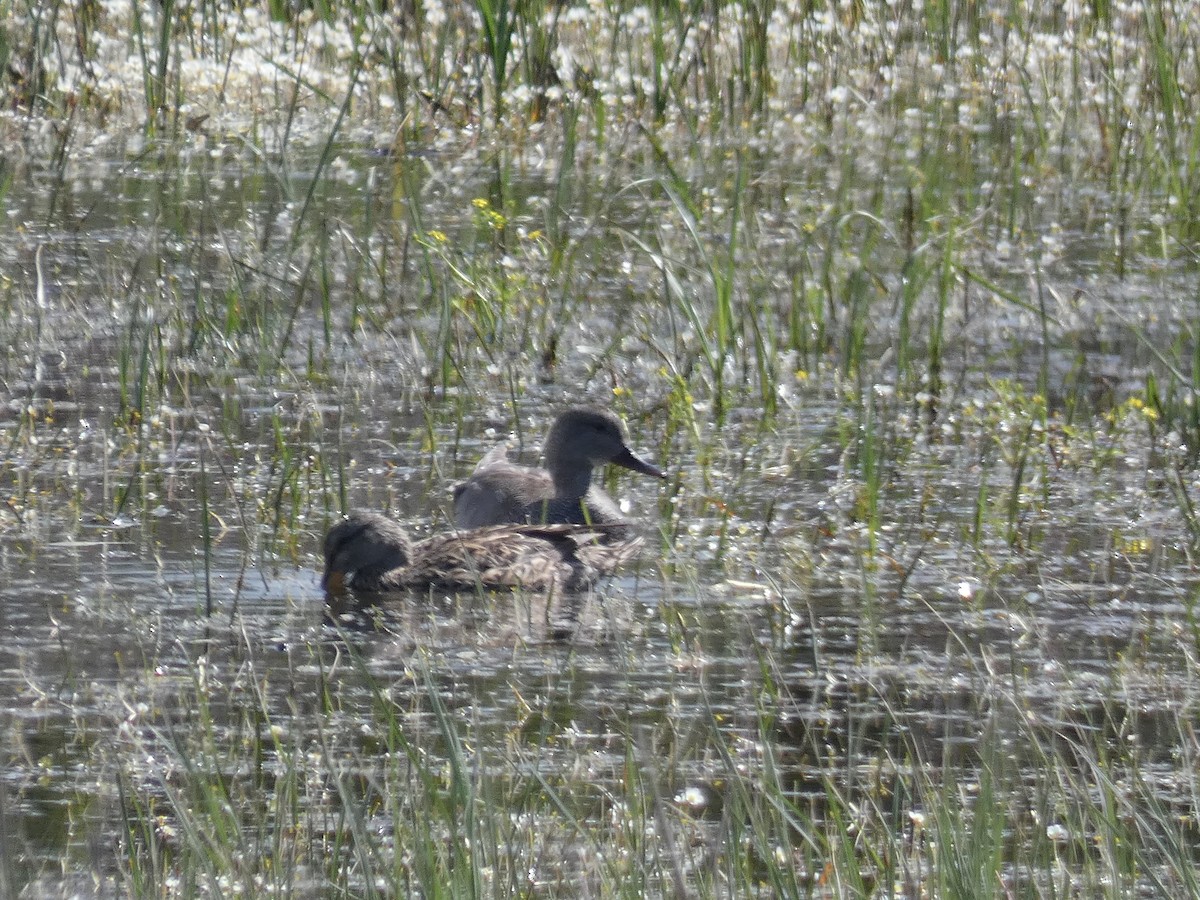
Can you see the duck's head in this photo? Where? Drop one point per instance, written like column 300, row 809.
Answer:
column 582, row 438
column 364, row 546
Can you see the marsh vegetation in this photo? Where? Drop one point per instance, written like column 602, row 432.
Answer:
column 903, row 297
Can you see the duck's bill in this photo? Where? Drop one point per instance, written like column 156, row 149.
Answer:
column 637, row 464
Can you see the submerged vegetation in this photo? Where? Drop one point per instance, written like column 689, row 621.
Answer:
column 902, row 295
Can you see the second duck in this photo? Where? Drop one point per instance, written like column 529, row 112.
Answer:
column 581, row 438
column 371, row 553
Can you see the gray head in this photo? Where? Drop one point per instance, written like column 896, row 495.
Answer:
column 582, row 438
column 365, row 545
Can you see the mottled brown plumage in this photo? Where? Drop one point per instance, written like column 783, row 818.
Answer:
column 371, row 553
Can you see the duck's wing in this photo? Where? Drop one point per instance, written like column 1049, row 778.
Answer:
column 498, row 557
column 499, row 494
column 477, row 502
column 594, row 550
column 610, row 552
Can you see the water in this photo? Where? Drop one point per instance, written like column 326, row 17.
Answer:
column 190, row 397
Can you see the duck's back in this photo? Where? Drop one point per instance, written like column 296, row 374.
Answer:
column 530, row 557
column 493, row 558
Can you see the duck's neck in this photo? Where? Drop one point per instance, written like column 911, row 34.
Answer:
column 572, row 481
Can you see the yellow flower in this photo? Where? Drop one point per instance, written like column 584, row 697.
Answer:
column 1138, row 545
column 439, row 236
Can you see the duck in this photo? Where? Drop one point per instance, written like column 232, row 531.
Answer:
column 370, row 553
column 499, row 491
